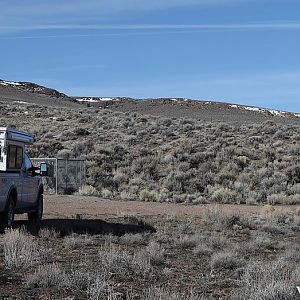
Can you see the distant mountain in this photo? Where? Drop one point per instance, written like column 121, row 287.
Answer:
column 27, row 92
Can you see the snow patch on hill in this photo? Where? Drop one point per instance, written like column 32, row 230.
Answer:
column 21, row 102
column 274, row 112
column 95, row 100
column 9, row 83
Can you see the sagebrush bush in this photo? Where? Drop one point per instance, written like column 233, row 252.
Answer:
column 155, row 252
column 133, row 239
column 186, row 241
column 47, row 233
column 146, row 195
column 224, row 195
column 273, row 280
column 20, row 250
column 124, row 264
column 47, row 276
column 226, row 260
column 87, row 190
column 163, row 294
column 77, row 241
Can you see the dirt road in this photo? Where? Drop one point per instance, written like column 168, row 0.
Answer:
column 91, row 207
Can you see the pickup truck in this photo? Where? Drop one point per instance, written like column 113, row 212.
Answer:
column 21, row 187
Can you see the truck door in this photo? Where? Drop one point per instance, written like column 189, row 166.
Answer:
column 30, row 182
column 13, row 178
column 4, row 187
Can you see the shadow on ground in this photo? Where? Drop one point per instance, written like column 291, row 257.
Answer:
column 83, row 226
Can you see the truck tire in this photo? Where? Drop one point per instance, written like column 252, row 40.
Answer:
column 8, row 216
column 34, row 218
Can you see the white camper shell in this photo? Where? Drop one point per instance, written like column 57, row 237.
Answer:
column 12, row 144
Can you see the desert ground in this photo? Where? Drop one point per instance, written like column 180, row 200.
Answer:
column 92, row 248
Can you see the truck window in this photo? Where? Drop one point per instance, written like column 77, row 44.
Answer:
column 12, row 151
column 19, row 160
column 15, row 157
column 27, row 162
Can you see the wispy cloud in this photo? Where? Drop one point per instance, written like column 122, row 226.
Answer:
column 155, row 28
column 33, row 12
column 69, row 7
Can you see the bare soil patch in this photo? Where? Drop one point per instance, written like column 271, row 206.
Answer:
column 91, row 207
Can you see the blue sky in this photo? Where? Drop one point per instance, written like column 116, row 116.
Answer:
column 238, row 51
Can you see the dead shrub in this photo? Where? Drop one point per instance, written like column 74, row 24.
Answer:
column 20, row 250
column 77, row 241
column 119, row 262
column 163, row 294
column 155, row 252
column 47, row 276
column 270, row 280
column 227, row 260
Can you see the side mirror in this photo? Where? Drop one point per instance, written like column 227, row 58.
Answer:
column 44, row 169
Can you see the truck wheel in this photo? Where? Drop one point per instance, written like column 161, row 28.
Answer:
column 35, row 217
column 8, row 216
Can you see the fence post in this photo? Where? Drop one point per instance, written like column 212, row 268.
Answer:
column 84, row 172
column 66, row 170
column 56, row 177
column 80, row 167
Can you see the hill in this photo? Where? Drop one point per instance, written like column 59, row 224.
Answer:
column 195, row 109
column 132, row 156
column 163, row 107
column 26, row 92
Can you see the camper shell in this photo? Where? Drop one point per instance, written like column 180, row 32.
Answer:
column 12, row 147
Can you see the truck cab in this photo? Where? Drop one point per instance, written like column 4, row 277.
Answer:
column 21, row 187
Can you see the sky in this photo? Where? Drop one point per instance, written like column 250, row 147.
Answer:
column 237, row 51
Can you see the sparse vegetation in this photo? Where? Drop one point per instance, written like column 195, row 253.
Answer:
column 227, row 260
column 185, row 259
column 133, row 157
column 47, row 276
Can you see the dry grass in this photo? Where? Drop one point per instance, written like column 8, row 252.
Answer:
column 118, row 262
column 272, row 280
column 47, row 233
column 77, row 241
column 226, row 260
column 183, row 260
column 155, row 252
column 47, row 276
column 20, row 250
column 163, row 294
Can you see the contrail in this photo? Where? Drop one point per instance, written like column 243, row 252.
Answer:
column 248, row 26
